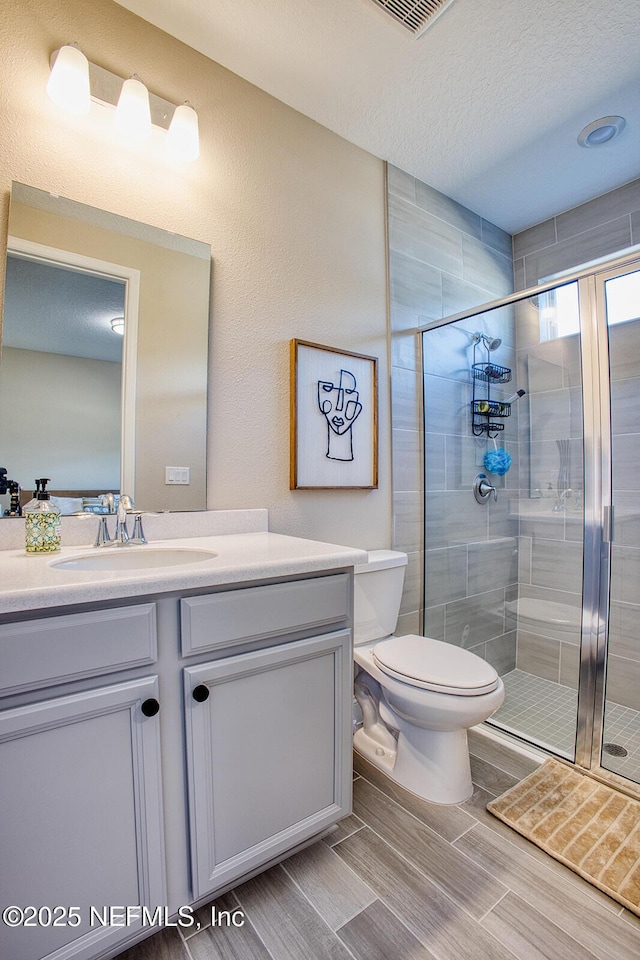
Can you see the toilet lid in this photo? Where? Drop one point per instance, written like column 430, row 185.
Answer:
column 435, row 665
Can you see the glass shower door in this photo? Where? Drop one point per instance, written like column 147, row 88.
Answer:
column 503, row 577
column 542, row 579
column 546, row 616
column 618, row 297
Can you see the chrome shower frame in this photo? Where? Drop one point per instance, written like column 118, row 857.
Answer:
column 598, row 494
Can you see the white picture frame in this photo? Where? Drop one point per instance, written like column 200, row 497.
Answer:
column 334, row 418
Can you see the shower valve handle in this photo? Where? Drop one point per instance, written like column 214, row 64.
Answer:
column 482, row 489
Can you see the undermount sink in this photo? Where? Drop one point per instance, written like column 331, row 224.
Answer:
column 133, row 558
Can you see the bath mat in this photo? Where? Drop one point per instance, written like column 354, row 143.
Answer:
column 584, row 824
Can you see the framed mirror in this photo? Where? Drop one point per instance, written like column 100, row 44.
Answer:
column 103, row 374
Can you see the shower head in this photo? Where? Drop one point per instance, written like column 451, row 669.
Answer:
column 491, row 345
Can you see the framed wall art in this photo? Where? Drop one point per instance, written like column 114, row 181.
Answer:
column 334, row 418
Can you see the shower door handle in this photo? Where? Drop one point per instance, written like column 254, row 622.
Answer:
column 607, row 524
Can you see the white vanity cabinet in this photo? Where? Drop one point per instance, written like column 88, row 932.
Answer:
column 155, row 751
column 80, row 789
column 268, row 740
column 268, row 729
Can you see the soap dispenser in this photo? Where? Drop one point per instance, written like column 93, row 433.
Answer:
column 41, row 521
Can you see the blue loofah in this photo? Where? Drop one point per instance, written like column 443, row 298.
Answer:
column 497, row 461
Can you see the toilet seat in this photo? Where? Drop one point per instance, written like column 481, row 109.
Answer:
column 434, row 665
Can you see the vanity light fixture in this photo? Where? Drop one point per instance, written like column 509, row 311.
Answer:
column 117, row 325
column 75, row 83
column 183, row 137
column 133, row 115
column 68, row 83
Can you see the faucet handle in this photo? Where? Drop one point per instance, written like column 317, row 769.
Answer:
column 482, row 488
column 124, row 506
column 102, row 536
column 138, row 533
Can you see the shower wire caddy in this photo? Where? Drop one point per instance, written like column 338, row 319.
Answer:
column 484, row 409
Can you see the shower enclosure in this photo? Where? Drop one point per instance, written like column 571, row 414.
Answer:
column 541, row 574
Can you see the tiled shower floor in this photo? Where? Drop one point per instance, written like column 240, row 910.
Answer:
column 545, row 712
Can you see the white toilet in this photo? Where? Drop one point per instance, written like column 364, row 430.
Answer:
column 418, row 696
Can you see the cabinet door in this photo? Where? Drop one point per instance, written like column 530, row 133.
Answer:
column 81, row 822
column 268, row 753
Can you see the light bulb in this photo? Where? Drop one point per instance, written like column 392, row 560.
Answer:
column 68, row 83
column 183, row 139
column 133, row 117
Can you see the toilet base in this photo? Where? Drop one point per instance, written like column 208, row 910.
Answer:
column 381, row 757
column 432, row 764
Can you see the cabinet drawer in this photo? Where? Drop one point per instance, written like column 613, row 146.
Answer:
column 236, row 616
column 37, row 653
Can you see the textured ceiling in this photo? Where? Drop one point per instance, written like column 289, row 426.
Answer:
column 55, row 310
column 485, row 105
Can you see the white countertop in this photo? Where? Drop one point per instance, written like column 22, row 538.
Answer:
column 29, row 582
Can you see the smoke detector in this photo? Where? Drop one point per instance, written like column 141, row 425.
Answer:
column 414, row 15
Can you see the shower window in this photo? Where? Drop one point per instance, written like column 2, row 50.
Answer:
column 560, row 312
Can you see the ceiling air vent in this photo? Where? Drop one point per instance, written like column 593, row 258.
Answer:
column 415, row 15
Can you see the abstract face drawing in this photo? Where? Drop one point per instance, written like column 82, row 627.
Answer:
column 341, row 408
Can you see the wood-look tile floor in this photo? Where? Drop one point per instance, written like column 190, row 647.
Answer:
column 402, row 879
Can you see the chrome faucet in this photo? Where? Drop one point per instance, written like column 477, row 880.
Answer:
column 125, row 503
column 121, row 536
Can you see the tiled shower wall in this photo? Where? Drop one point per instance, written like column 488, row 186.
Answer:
column 550, row 517
column 444, row 258
column 601, row 228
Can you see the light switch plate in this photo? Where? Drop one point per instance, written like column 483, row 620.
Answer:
column 176, row 475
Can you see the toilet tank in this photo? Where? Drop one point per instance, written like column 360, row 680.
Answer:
column 377, row 594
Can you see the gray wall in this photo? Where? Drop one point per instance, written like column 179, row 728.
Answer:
column 550, row 519
column 68, row 408
column 600, row 228
column 444, row 258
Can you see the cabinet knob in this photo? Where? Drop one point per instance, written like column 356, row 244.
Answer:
column 150, row 707
column 201, row 693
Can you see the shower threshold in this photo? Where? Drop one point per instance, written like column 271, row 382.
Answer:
column 544, row 712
